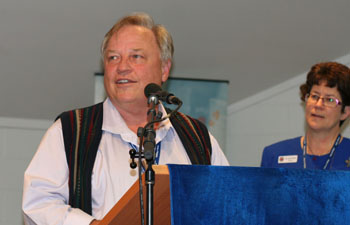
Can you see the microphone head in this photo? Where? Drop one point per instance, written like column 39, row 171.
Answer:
column 152, row 88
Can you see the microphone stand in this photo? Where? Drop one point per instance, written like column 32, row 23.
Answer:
column 149, row 154
column 147, row 137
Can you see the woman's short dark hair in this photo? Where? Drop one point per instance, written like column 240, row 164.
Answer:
column 334, row 74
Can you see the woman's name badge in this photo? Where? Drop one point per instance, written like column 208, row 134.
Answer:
column 287, row 159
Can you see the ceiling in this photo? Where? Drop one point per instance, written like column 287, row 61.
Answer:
column 49, row 49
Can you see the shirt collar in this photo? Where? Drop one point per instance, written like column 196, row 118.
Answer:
column 114, row 123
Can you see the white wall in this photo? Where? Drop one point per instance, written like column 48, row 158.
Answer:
column 19, row 139
column 267, row 117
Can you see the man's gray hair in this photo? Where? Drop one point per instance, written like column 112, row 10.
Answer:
column 163, row 37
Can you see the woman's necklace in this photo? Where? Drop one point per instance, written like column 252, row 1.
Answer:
column 331, row 154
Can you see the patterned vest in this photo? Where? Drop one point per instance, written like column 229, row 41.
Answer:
column 82, row 131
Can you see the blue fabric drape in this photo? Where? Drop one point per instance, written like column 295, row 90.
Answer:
column 247, row 195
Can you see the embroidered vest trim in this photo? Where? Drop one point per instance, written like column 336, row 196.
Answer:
column 194, row 136
column 82, row 131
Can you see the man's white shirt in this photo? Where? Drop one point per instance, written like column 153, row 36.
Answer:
column 45, row 193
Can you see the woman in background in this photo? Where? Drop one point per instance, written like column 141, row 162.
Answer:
column 326, row 94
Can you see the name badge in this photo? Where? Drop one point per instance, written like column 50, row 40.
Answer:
column 287, row 159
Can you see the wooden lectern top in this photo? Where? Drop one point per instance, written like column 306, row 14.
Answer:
column 127, row 209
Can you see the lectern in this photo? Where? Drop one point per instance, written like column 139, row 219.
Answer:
column 127, row 210
column 218, row 195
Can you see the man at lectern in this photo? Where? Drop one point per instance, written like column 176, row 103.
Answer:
column 326, row 94
column 82, row 165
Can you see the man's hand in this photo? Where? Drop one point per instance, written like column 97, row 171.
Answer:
column 95, row 222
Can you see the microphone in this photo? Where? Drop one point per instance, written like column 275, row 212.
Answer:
column 152, row 90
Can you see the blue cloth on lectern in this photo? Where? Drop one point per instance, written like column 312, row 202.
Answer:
column 248, row 195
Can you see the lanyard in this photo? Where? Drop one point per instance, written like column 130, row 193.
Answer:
column 157, row 152
column 331, row 154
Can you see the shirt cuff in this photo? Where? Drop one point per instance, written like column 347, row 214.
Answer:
column 77, row 216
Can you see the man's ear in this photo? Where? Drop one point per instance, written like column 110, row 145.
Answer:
column 166, row 70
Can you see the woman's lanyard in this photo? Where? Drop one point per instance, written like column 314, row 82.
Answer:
column 157, row 153
column 331, row 154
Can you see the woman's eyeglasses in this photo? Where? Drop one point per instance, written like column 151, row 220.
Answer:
column 327, row 101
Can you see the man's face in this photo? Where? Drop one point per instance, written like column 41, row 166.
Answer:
column 131, row 61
